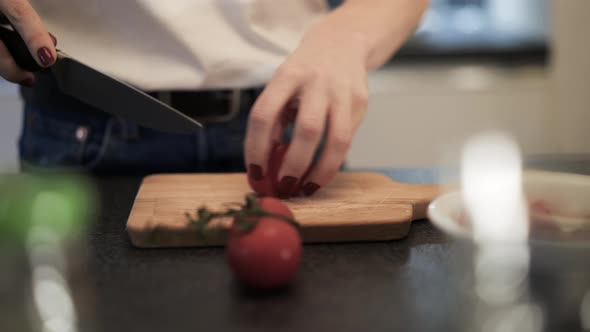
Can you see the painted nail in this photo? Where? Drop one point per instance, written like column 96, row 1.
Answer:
column 28, row 82
column 255, row 172
column 53, row 38
column 45, row 56
column 287, row 186
column 310, row 188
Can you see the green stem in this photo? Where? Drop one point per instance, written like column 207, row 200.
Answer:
column 245, row 218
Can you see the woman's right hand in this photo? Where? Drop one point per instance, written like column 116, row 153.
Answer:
column 39, row 41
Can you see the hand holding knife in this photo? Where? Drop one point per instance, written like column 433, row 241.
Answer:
column 98, row 89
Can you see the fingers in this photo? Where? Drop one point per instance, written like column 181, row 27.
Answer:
column 28, row 24
column 312, row 99
column 309, row 127
column 286, row 118
column 262, row 123
column 11, row 72
column 346, row 114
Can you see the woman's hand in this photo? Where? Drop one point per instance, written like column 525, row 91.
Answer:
column 41, row 43
column 325, row 80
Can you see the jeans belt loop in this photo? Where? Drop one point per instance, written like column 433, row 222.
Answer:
column 165, row 97
column 234, row 106
column 234, row 99
column 235, row 103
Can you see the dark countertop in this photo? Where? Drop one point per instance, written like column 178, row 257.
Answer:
column 419, row 283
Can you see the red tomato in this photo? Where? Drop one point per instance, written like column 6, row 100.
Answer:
column 274, row 205
column 268, row 186
column 541, row 207
column 269, row 255
column 275, row 162
column 541, row 222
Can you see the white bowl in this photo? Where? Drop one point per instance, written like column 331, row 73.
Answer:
column 565, row 199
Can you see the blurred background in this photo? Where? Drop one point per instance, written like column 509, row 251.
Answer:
column 522, row 66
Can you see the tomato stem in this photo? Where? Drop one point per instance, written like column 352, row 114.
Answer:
column 245, row 218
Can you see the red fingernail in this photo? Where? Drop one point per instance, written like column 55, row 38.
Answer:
column 310, row 188
column 287, row 186
column 28, row 82
column 45, row 56
column 255, row 172
column 53, row 38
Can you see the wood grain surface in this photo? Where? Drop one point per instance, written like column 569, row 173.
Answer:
column 356, row 206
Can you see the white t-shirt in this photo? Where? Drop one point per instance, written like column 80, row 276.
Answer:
column 181, row 44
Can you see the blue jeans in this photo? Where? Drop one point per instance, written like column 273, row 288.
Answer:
column 59, row 131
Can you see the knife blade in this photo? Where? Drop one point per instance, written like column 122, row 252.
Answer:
column 99, row 90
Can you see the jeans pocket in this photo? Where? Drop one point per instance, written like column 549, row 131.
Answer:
column 50, row 140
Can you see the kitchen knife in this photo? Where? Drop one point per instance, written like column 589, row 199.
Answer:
column 99, row 90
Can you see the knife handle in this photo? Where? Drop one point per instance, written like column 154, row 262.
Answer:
column 17, row 46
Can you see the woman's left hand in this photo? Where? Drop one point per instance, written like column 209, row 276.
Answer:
column 326, row 79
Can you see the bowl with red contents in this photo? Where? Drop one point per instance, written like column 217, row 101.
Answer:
column 557, row 260
column 557, row 203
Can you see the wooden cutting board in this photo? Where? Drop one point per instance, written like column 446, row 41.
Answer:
column 356, row 206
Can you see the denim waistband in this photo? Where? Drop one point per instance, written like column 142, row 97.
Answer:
column 60, row 130
column 72, row 116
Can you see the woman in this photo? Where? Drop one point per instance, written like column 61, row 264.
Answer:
column 245, row 68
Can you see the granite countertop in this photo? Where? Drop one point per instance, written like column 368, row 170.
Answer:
column 419, row 283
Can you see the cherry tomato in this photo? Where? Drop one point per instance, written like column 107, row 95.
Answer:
column 541, row 207
column 269, row 255
column 274, row 205
column 268, row 186
column 541, row 223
